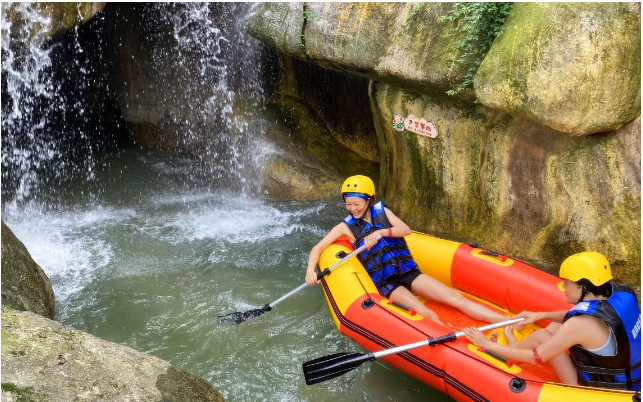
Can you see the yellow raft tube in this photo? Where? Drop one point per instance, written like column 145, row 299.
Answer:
column 457, row 368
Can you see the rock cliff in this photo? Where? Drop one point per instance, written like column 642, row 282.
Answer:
column 540, row 159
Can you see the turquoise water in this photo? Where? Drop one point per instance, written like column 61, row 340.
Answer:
column 148, row 256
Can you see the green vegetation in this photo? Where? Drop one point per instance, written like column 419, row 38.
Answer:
column 27, row 394
column 477, row 25
column 307, row 15
column 415, row 10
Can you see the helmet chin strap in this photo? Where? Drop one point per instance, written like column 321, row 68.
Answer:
column 583, row 294
column 361, row 219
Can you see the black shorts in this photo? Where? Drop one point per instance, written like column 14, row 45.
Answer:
column 388, row 285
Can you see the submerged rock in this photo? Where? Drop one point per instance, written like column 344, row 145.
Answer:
column 24, row 284
column 44, row 360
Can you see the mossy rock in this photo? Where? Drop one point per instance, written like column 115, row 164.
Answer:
column 573, row 67
column 398, row 43
column 44, row 360
column 25, row 286
column 512, row 185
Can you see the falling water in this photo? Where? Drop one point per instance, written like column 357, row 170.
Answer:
column 56, row 117
column 28, row 92
column 209, row 74
column 146, row 247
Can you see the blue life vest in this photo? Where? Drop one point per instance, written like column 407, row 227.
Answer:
column 389, row 256
column 622, row 314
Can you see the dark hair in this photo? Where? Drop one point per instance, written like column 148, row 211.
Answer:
column 601, row 290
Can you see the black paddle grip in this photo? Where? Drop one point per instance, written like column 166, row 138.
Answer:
column 323, row 273
column 450, row 337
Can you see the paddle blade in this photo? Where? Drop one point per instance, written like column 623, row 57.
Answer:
column 331, row 366
column 241, row 316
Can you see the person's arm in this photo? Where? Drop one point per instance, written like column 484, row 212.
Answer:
column 570, row 333
column 398, row 229
column 334, row 234
column 533, row 316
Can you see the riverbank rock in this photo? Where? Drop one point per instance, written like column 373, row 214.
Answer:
column 25, row 286
column 53, row 17
column 512, row 185
column 44, row 360
column 574, row 67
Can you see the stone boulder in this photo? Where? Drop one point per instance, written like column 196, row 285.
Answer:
column 399, row 43
column 574, row 67
column 25, row 286
column 44, row 360
column 54, row 18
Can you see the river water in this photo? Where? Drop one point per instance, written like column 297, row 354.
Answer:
column 148, row 256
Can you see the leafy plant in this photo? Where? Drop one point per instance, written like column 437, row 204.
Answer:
column 480, row 23
column 415, row 10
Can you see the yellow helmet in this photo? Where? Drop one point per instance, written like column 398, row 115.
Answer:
column 588, row 265
column 358, row 186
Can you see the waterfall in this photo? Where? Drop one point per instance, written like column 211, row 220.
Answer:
column 203, row 87
column 60, row 98
column 28, row 100
column 56, row 115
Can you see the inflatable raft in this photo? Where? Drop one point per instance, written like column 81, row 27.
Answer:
column 457, row 368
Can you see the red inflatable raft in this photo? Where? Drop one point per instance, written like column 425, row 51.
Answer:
column 456, row 368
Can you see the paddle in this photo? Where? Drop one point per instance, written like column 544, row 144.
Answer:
column 331, row 366
column 241, row 316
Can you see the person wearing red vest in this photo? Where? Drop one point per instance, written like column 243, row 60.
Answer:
column 387, row 258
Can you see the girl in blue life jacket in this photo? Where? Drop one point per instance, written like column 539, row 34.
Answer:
column 387, row 258
column 602, row 331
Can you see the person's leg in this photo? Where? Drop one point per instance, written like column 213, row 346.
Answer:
column 404, row 296
column 562, row 363
column 535, row 339
column 433, row 289
column 565, row 369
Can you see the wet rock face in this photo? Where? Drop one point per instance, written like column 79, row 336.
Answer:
column 58, row 17
column 511, row 184
column 46, row 360
column 575, row 68
column 523, row 168
column 24, row 284
column 392, row 42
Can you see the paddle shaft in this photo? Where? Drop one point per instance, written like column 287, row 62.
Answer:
column 319, row 276
column 441, row 339
column 327, row 367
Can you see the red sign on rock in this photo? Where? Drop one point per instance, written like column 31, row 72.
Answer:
column 420, row 126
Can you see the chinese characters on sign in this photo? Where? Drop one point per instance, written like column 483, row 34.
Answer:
column 413, row 124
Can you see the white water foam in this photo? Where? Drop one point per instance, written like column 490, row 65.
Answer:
column 64, row 244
